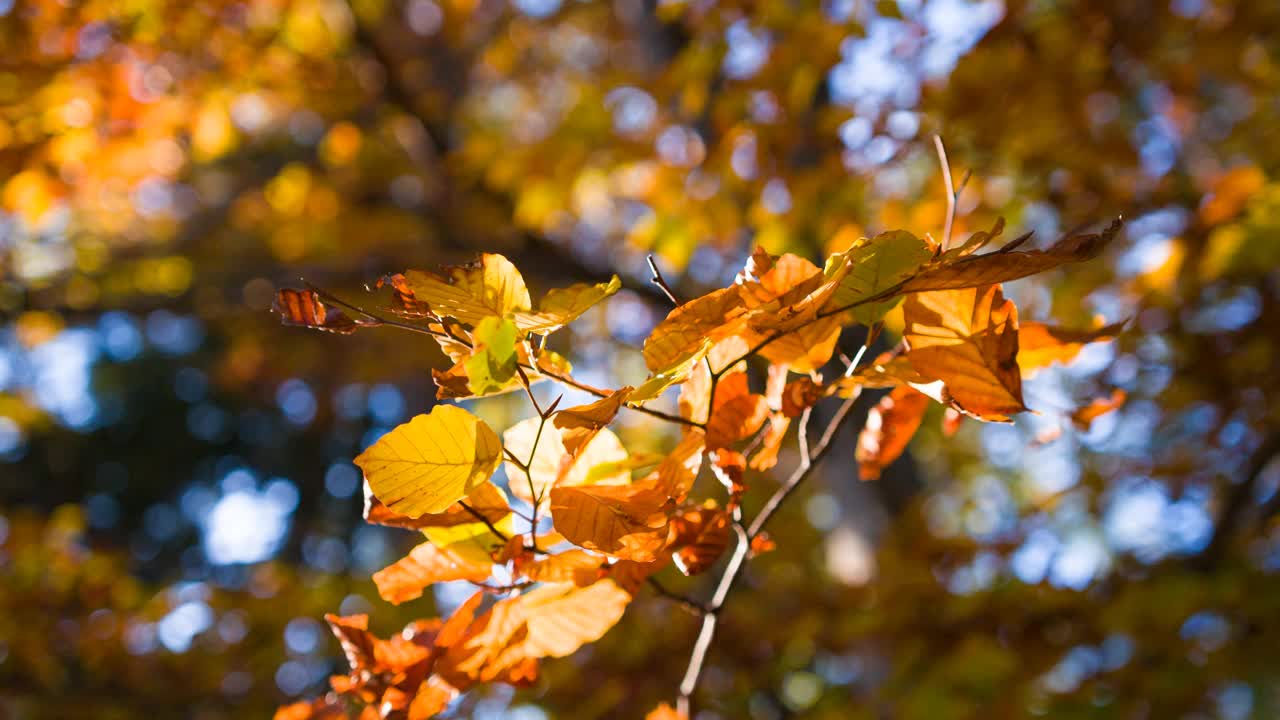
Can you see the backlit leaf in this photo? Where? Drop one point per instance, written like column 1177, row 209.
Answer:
column 701, row 536
column 685, row 331
column 489, row 287
column 486, row 500
column 890, row 427
column 562, row 306
column 875, row 266
column 304, row 308
column 493, row 361
column 625, row 521
column 424, row 566
column 1040, row 345
column 431, row 462
column 579, row 424
column 1002, row 266
column 736, row 412
column 1084, row 417
column 968, row 340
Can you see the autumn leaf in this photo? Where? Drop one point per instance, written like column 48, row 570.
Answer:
column 967, row 340
column 304, row 308
column 552, row 464
column 793, row 285
column 800, row 394
column 1003, row 265
column 489, row 287
column 424, row 566
column 562, row 306
column 736, row 411
column 493, row 361
column 563, row 617
column 890, row 427
column 571, row 566
column 677, row 472
column 578, row 425
column 1040, row 345
column 624, row 521
column 455, row 382
column 324, row 708
column 431, row 462
column 677, row 372
column 1083, row 418
column 700, row 537
column 687, row 329
column 873, row 267
column 665, row 712
column 486, row 500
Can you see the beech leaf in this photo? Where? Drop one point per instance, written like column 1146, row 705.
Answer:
column 489, row 287
column 890, row 427
column 431, row 462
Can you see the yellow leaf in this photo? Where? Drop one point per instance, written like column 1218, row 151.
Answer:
column 553, row 464
column 490, row 287
column 968, row 340
column 874, row 267
column 562, row 306
column 688, row 327
column 431, row 462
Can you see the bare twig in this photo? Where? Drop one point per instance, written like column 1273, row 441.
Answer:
column 733, row 570
column 951, row 191
column 657, row 279
column 480, row 516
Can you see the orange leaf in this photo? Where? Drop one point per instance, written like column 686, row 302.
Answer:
column 767, row 456
column 761, row 544
column 890, row 426
column 325, row 708
column 665, row 712
column 426, row 565
column 489, row 287
column 730, row 468
column 737, row 411
column 578, row 425
column 677, row 472
column 800, row 394
column 689, row 326
column 572, row 566
column 304, row 308
column 1041, row 345
column 968, row 340
column 1085, row 416
column 626, row 521
column 701, row 537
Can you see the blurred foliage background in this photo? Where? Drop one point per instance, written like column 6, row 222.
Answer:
column 177, row 505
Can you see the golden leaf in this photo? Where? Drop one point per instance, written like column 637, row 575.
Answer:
column 562, row 306
column 625, row 521
column 426, row 565
column 486, row 500
column 490, row 287
column 431, row 462
column 1040, row 345
column 968, row 340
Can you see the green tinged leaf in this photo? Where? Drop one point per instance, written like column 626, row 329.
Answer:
column 875, row 266
column 493, row 362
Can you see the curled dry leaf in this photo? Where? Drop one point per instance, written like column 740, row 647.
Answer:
column 730, row 468
column 431, row 462
column 304, row 308
column 800, row 394
column 890, row 427
column 967, row 340
column 1003, row 266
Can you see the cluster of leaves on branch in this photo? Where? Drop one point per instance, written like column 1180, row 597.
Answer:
column 617, row 519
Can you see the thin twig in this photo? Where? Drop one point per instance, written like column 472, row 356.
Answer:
column 951, row 191
column 686, row 603
column 480, row 516
column 657, row 279
column 737, row 561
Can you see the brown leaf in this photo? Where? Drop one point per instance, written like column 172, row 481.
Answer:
column 677, row 472
column 686, row 329
column 701, row 535
column 1001, row 266
column 968, row 340
column 578, row 425
column 800, row 394
column 730, row 468
column 304, row 308
column 1084, row 417
column 571, row 566
column 890, row 426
